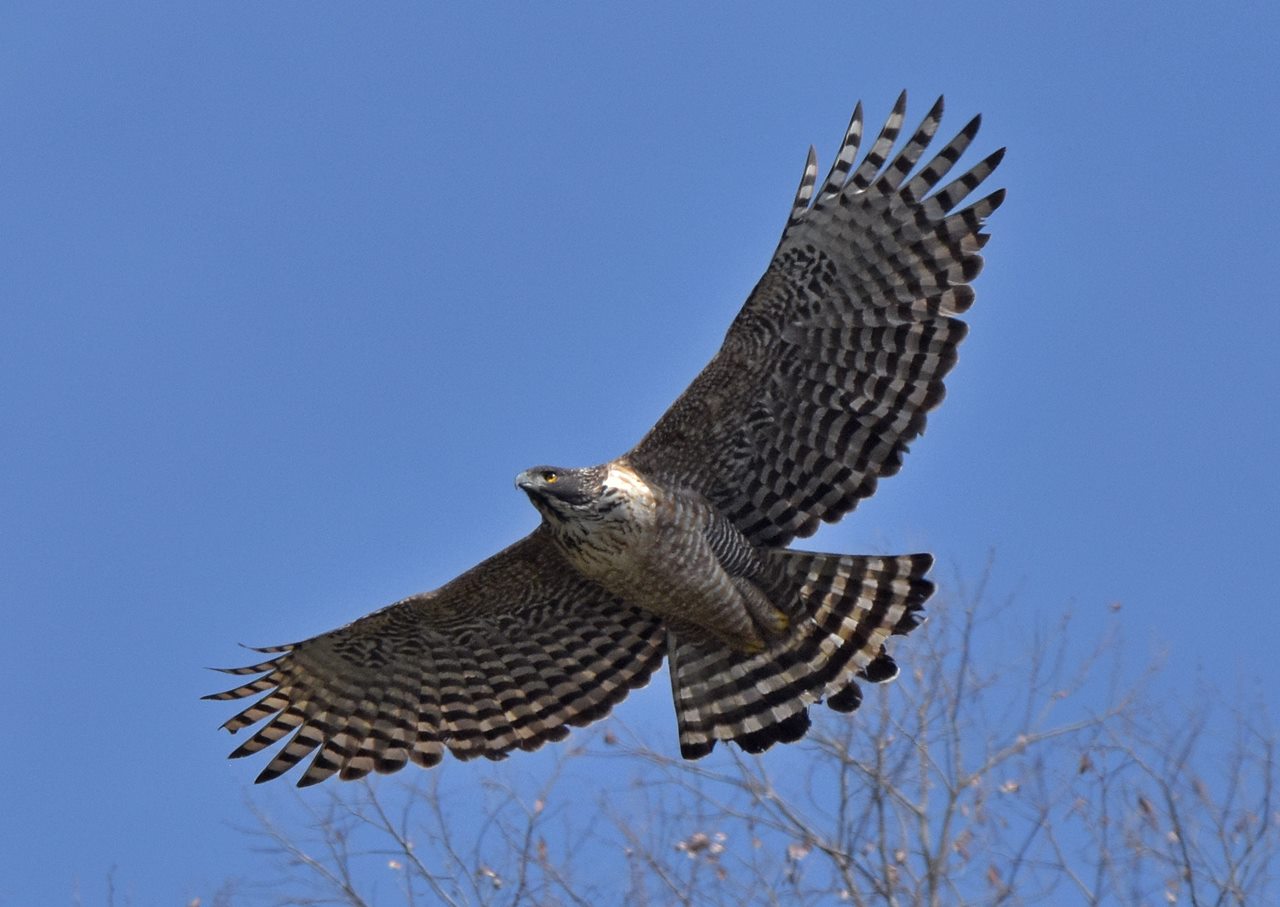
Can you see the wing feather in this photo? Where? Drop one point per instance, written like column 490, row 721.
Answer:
column 845, row 157
column 879, row 152
column 906, row 159
column 829, row 370
column 807, row 179
column 507, row 656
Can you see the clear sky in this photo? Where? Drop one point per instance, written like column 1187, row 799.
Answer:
column 290, row 292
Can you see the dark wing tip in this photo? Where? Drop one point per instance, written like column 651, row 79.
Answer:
column 693, row 751
column 846, row 700
column 912, row 619
column 880, row 669
column 789, row 730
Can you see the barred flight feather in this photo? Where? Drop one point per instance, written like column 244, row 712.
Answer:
column 844, row 157
column 438, row 672
column 807, row 180
column 874, row 252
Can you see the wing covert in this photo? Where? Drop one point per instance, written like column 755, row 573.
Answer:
column 506, row 656
column 827, row 373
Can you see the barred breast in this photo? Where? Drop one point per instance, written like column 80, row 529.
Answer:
column 652, row 547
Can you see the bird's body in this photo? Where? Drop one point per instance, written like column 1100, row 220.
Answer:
column 666, row 550
column 678, row 549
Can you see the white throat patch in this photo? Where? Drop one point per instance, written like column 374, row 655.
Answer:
column 624, row 481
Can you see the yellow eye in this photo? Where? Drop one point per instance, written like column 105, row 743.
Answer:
column 549, row 477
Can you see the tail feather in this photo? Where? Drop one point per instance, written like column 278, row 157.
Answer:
column 850, row 605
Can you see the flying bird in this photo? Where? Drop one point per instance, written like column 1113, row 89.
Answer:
column 678, row 548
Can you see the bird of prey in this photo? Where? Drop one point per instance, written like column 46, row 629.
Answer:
column 678, row 548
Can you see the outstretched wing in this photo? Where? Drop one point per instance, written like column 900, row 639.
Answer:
column 507, row 656
column 828, row 371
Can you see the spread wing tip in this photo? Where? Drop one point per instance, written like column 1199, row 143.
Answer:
column 807, row 180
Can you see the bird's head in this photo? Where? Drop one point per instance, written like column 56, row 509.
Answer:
column 562, row 494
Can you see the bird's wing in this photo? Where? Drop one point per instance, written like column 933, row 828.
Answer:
column 827, row 373
column 507, row 656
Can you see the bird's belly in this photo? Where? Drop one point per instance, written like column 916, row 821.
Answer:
column 668, row 572
column 651, row 551
column 618, row 557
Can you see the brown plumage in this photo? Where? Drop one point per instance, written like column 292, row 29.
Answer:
column 677, row 548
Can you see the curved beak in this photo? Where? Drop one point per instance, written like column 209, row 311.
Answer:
column 525, row 481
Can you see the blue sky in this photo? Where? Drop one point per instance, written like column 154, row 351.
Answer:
column 291, row 293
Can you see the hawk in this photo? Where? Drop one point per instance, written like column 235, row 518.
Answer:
column 678, row 548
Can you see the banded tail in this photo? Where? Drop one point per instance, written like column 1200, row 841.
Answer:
column 850, row 605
